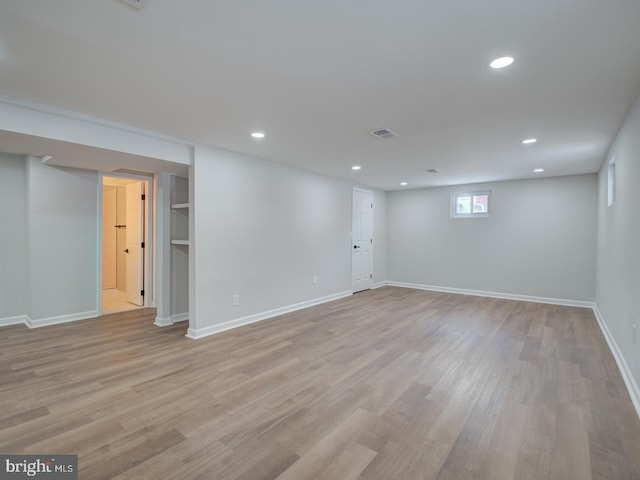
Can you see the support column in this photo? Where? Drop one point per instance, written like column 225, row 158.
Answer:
column 163, row 249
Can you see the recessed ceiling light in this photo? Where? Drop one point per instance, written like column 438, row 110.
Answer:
column 356, row 167
column 404, row 184
column 538, row 170
column 501, row 62
column 257, row 135
column 529, row 141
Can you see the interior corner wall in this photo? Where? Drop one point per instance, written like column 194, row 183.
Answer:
column 262, row 231
column 618, row 266
column 539, row 240
column 62, row 241
column 13, row 237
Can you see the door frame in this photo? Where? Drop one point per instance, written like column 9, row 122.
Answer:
column 149, row 230
column 353, row 212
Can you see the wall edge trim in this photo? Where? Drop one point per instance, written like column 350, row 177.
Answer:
column 197, row 333
column 625, row 371
column 163, row 321
column 504, row 296
column 17, row 320
column 74, row 317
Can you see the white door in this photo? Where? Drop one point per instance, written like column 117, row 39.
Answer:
column 109, row 237
column 134, row 243
column 362, row 240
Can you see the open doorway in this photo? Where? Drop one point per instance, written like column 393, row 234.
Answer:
column 124, row 228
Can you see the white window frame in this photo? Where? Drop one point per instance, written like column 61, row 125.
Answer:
column 454, row 197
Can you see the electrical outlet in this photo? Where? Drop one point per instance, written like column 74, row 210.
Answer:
column 315, row 280
column 236, row 300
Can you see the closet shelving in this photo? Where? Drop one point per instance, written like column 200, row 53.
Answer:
column 180, row 212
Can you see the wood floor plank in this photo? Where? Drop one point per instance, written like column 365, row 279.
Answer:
column 349, row 463
column 392, row 383
column 328, row 449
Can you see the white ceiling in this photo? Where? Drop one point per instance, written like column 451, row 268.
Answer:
column 317, row 76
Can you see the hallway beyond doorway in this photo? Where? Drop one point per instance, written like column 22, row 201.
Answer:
column 114, row 300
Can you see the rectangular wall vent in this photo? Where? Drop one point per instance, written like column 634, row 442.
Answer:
column 383, row 133
column 138, row 4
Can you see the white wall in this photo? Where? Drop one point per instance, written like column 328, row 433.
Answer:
column 62, row 231
column 262, row 231
column 48, row 241
column 618, row 267
column 13, row 237
column 540, row 239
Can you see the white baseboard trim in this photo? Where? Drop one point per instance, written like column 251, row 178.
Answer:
column 504, row 296
column 378, row 285
column 175, row 318
column 625, row 371
column 180, row 317
column 19, row 320
column 74, row 317
column 162, row 321
column 196, row 333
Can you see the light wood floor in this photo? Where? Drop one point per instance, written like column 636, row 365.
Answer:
column 391, row 384
column 115, row 301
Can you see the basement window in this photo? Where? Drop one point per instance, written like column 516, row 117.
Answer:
column 470, row 204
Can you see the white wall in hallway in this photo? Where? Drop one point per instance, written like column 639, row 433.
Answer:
column 63, row 224
column 13, row 237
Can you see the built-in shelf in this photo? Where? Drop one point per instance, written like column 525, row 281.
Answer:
column 180, row 206
column 177, row 210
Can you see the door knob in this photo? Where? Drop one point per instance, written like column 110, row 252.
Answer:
column 356, row 246
column 126, row 250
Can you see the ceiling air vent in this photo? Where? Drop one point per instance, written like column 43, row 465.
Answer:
column 432, row 170
column 139, row 4
column 383, row 133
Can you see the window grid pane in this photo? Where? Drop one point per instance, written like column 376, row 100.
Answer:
column 480, row 203
column 463, row 204
column 470, row 204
